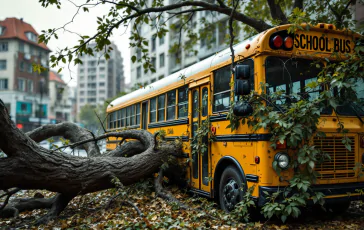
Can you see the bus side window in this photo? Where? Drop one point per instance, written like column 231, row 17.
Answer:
column 161, row 107
column 110, row 120
column 127, row 123
column 153, row 110
column 171, row 105
column 114, row 119
column 222, row 89
column 119, row 118
column 182, row 102
column 137, row 114
column 123, row 117
column 132, row 116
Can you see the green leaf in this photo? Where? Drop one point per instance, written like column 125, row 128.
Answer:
column 283, row 218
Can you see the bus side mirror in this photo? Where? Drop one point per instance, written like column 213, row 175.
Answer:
column 242, row 109
column 242, row 72
column 242, row 87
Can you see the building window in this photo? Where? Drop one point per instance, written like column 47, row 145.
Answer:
column 3, row 46
column 161, row 60
column 91, row 78
column 102, row 69
column 91, row 70
column 139, row 54
column 3, row 84
column 154, row 62
column 21, row 47
column 82, row 85
column 102, row 91
column 21, row 66
column 31, row 36
column 102, row 76
column 139, row 72
column 153, row 110
column 2, row 64
column 154, row 39
column 222, row 89
column 82, row 93
column 30, row 51
column 160, row 77
column 182, row 102
column 29, row 68
column 91, row 63
column 2, row 29
column 161, row 107
column 171, row 105
column 21, row 84
column 82, row 77
column 82, row 70
column 102, row 84
column 161, row 41
column 222, row 32
column 153, row 80
column 30, row 87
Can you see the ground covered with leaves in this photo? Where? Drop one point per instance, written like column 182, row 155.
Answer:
column 137, row 207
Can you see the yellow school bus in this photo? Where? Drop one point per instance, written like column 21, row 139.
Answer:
column 178, row 105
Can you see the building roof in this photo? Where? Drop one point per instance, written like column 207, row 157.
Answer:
column 16, row 28
column 53, row 76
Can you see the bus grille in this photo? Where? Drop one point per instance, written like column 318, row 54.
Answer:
column 342, row 161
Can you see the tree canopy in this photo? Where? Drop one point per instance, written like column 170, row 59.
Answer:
column 250, row 17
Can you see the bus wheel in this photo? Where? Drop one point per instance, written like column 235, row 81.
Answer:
column 230, row 189
column 339, row 207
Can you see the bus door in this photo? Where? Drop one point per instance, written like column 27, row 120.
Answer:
column 145, row 115
column 201, row 158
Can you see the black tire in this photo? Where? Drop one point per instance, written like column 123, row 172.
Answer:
column 339, row 207
column 230, row 189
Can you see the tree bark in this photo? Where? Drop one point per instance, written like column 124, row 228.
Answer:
column 29, row 166
column 69, row 131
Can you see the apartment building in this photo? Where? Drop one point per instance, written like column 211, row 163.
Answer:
column 24, row 91
column 167, row 63
column 60, row 105
column 98, row 78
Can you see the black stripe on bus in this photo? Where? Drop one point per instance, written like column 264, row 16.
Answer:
column 113, row 142
column 220, row 117
column 171, row 138
column 251, row 177
column 168, row 123
column 122, row 128
column 200, row 192
column 243, row 137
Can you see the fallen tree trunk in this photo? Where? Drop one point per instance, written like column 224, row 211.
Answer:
column 29, row 166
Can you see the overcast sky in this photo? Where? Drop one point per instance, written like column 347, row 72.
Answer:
column 85, row 23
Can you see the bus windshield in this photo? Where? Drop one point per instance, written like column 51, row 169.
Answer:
column 354, row 108
column 290, row 77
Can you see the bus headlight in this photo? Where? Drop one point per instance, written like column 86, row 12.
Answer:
column 282, row 160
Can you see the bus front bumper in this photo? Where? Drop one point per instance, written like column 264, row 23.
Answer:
column 333, row 192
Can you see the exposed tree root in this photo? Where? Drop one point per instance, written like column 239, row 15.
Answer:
column 134, row 206
column 59, row 203
column 159, row 190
